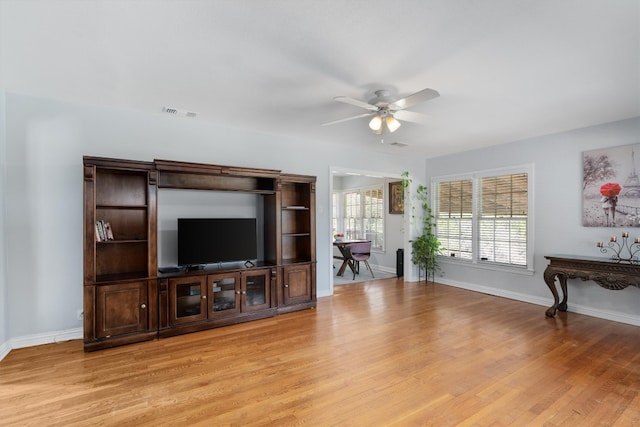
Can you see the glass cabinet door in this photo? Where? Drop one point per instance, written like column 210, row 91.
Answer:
column 225, row 291
column 188, row 299
column 256, row 290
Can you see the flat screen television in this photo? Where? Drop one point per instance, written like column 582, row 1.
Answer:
column 215, row 240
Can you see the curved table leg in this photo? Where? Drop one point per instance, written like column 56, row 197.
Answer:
column 550, row 279
column 563, row 284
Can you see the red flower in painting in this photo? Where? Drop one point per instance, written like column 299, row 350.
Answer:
column 610, row 189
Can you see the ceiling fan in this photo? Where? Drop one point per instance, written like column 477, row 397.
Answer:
column 386, row 111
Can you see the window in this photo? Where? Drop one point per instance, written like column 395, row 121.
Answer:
column 502, row 227
column 363, row 215
column 334, row 213
column 485, row 217
column 454, row 221
column 373, row 217
column 352, row 219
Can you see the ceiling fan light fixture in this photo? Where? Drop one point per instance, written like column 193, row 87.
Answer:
column 382, row 107
column 392, row 124
column 376, row 123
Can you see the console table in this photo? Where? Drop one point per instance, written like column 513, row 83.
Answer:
column 606, row 273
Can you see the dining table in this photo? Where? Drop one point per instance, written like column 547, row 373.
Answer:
column 341, row 244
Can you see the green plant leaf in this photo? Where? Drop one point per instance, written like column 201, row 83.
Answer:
column 426, row 247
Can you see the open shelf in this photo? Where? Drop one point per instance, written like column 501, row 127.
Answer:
column 121, row 258
column 126, row 224
column 116, row 242
column 217, row 182
column 298, row 218
column 116, row 187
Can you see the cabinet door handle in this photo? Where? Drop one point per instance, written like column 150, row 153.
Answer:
column 204, row 297
column 244, row 292
column 143, row 306
column 237, row 292
column 286, row 286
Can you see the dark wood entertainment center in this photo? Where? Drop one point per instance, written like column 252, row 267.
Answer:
column 127, row 300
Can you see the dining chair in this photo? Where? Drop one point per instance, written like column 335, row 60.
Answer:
column 357, row 252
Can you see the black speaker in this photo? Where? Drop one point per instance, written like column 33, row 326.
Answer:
column 400, row 262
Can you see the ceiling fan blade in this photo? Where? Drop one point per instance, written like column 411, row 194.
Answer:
column 347, row 119
column 355, row 102
column 416, row 98
column 411, row 116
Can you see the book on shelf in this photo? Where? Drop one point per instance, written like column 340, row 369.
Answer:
column 99, row 232
column 108, row 231
column 104, row 232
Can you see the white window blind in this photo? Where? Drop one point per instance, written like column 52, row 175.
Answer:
column 373, row 218
column 363, row 215
column 484, row 218
column 352, row 220
column 502, row 224
column 455, row 218
column 334, row 213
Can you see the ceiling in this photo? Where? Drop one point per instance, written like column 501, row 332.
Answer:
column 506, row 69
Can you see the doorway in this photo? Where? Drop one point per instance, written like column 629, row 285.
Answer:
column 383, row 260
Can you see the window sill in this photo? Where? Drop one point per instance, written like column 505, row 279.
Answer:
column 486, row 266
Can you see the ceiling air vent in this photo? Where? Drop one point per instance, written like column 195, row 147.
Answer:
column 399, row 144
column 179, row 113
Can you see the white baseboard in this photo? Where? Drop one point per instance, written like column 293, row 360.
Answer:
column 390, row 270
column 39, row 339
column 546, row 302
column 5, row 348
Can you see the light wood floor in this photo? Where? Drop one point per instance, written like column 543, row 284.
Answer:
column 380, row 353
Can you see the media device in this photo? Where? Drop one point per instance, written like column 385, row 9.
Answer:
column 214, row 240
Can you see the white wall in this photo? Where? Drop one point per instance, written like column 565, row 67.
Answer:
column 557, row 212
column 4, row 332
column 45, row 142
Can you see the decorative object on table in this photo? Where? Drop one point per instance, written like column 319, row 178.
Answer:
column 611, row 187
column 396, row 198
column 426, row 247
column 623, row 252
column 338, row 237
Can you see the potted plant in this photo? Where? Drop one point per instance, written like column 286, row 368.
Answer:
column 426, row 247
